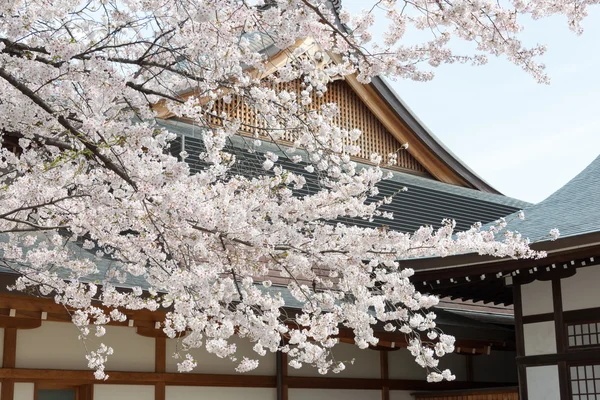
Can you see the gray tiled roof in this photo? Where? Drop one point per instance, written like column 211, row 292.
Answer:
column 427, row 201
column 574, row 208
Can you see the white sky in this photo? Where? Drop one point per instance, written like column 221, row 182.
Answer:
column 524, row 138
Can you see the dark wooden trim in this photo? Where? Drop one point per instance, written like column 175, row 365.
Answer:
column 518, row 309
column 582, row 316
column 160, row 365
column 438, row 268
column 560, row 334
column 532, row 319
column 584, row 355
column 282, row 381
column 573, row 316
column 384, row 374
column 160, row 354
column 86, row 392
column 140, row 378
column 469, row 367
column 19, row 323
column 9, row 358
column 160, row 391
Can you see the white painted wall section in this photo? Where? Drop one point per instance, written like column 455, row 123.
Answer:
column 129, row 392
column 24, row 391
column 581, row 290
column 132, row 352
column 537, row 298
column 539, row 338
column 402, row 365
column 401, row 395
column 542, row 383
column 211, row 364
column 218, row 393
column 332, row 394
column 366, row 363
column 498, row 366
column 54, row 345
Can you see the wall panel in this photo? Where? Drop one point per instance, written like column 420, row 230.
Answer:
column 402, row 365
column 331, row 394
column 581, row 290
column 24, row 391
column 209, row 363
column 540, row 338
column 537, row 298
column 401, row 395
column 218, row 393
column 54, row 345
column 366, row 363
column 498, row 366
column 129, row 392
column 542, row 383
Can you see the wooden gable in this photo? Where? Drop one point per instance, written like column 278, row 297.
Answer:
column 354, row 114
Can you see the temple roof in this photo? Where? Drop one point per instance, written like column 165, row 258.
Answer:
column 426, row 202
column 574, row 209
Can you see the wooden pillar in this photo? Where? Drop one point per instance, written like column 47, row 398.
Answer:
column 282, row 384
column 160, row 365
column 384, row 372
column 521, row 370
column 469, row 367
column 8, row 361
column 561, row 342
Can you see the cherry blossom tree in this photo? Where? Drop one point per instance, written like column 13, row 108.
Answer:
column 85, row 165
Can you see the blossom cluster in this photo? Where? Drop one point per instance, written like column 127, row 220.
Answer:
column 86, row 178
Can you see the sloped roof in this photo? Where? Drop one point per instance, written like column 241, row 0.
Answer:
column 574, row 209
column 427, row 202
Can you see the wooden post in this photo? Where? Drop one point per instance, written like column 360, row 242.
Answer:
column 282, row 384
column 160, row 365
column 384, row 368
column 8, row 361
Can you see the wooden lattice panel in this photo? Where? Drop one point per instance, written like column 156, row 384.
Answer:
column 354, row 114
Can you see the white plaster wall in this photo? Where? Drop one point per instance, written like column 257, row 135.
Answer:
column 366, row 363
column 401, row 395
column 209, row 363
column 581, row 290
column 133, row 352
column 129, row 392
column 456, row 363
column 24, row 391
column 498, row 366
column 539, row 338
column 333, row 394
column 55, row 345
column 542, row 383
column 537, row 298
column 401, row 365
column 218, row 393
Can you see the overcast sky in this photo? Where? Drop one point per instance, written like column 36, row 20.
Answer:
column 524, row 138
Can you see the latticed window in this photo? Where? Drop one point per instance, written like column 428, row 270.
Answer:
column 585, row 382
column 583, row 334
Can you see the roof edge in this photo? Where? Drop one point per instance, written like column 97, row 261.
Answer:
column 425, row 136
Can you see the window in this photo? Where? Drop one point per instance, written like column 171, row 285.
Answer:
column 586, row 334
column 585, row 382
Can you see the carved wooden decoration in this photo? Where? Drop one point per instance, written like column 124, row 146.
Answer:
column 354, row 114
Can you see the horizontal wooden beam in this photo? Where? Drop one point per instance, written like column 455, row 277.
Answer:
column 576, row 356
column 238, row 380
column 141, row 378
